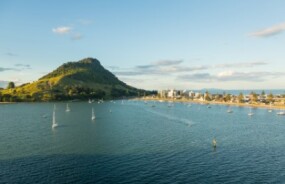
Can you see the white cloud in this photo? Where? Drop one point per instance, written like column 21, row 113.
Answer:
column 61, row 30
column 226, row 74
column 270, row 31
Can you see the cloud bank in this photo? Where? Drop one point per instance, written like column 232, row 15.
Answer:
column 241, row 65
column 168, row 67
column 230, row 76
column 2, row 69
column 198, row 74
column 18, row 67
column 23, row 66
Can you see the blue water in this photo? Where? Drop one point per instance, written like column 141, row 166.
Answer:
column 137, row 143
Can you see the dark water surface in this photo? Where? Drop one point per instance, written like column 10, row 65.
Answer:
column 137, row 143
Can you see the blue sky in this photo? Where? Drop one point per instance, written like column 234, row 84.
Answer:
column 150, row 44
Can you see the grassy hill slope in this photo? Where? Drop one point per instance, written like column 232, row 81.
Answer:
column 84, row 79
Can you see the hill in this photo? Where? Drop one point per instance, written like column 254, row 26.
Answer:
column 83, row 79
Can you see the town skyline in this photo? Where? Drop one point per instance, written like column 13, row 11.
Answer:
column 150, row 44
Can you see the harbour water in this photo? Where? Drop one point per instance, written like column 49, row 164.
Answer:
column 137, row 142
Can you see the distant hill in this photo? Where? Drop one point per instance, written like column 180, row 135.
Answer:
column 84, row 79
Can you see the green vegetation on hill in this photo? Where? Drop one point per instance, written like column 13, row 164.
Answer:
column 81, row 80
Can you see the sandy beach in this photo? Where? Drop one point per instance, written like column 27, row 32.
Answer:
column 214, row 102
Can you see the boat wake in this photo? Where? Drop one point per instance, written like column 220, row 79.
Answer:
column 173, row 118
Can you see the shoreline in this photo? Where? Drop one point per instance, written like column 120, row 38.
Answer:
column 264, row 106
column 214, row 103
column 7, row 102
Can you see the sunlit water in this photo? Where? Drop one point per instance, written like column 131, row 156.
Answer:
column 137, row 143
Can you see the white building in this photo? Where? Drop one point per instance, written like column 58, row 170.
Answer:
column 172, row 93
column 191, row 94
column 163, row 93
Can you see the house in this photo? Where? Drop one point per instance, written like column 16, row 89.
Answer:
column 197, row 95
column 191, row 94
column 246, row 98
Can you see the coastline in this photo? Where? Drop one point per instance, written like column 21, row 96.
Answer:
column 278, row 107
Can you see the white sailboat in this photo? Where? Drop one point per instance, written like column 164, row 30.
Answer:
column 170, row 104
column 281, row 113
column 229, row 110
column 270, row 109
column 93, row 115
column 89, row 101
column 250, row 112
column 67, row 108
column 54, row 124
column 214, row 143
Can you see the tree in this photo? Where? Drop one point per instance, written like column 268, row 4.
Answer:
column 6, row 98
column 11, row 85
column 207, row 96
column 263, row 93
column 217, row 97
column 270, row 97
column 240, row 98
column 227, row 98
column 254, row 97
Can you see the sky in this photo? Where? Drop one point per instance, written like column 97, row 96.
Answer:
column 149, row 44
